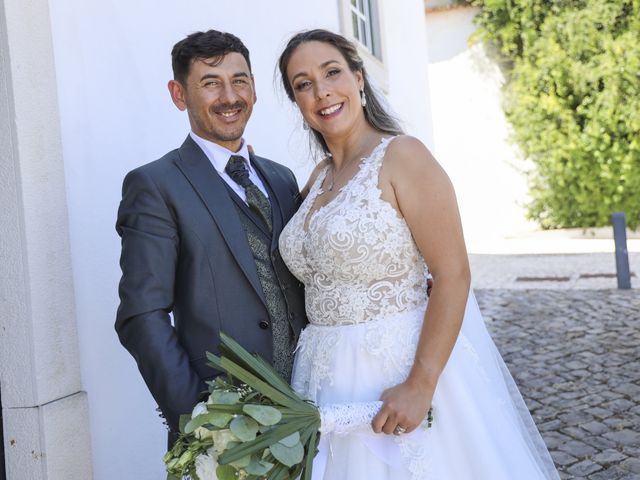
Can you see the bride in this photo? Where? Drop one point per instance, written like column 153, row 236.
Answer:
column 376, row 212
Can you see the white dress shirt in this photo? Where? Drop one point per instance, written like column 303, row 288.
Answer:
column 219, row 157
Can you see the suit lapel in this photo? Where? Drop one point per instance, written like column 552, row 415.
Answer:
column 195, row 165
column 275, row 186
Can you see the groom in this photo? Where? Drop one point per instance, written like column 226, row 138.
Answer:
column 200, row 231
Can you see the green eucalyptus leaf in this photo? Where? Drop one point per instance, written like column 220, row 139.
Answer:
column 264, row 414
column 242, row 462
column 224, row 398
column 217, row 419
column 258, row 467
column 226, row 472
column 291, row 441
column 245, row 428
column 264, row 428
column 289, row 456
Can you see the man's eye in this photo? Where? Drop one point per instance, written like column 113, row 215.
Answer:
column 240, row 81
column 210, row 84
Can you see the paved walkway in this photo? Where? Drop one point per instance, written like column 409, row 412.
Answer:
column 575, row 355
column 552, row 272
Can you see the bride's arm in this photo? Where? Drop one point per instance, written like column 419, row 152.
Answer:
column 312, row 178
column 413, row 182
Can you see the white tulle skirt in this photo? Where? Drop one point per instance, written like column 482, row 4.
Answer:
column 481, row 430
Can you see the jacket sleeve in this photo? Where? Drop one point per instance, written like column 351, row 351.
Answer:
column 150, row 245
column 293, row 182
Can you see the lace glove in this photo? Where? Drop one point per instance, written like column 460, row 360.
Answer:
column 343, row 418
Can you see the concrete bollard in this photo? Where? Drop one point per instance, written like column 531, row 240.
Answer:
column 619, row 222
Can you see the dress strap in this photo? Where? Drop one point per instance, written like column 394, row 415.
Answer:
column 373, row 163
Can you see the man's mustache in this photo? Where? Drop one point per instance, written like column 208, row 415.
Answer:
column 229, row 106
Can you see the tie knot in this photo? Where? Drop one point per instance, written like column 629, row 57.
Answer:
column 238, row 171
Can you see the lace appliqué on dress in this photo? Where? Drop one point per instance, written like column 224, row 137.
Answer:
column 318, row 353
column 417, row 456
column 397, row 351
column 356, row 257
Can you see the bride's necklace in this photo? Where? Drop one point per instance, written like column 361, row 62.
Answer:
column 335, row 176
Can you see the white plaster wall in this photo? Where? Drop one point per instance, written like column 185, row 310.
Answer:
column 471, row 132
column 405, row 55
column 36, row 217
column 39, row 360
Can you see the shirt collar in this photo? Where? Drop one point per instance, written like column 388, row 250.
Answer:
column 219, row 155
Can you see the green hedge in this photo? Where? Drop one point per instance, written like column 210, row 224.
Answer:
column 573, row 98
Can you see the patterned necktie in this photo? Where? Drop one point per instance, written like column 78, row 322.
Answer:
column 257, row 201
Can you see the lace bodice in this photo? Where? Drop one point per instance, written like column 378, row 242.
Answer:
column 355, row 255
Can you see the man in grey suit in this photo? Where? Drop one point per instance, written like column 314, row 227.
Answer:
column 200, row 231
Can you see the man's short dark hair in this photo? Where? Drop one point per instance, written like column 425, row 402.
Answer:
column 203, row 45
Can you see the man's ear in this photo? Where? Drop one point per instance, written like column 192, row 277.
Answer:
column 253, row 83
column 178, row 94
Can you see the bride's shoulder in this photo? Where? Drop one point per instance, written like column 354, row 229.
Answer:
column 407, row 147
column 322, row 164
column 408, row 156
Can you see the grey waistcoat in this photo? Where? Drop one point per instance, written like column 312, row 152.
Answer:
column 282, row 333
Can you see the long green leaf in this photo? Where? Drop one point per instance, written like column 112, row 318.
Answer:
column 255, row 365
column 225, row 408
column 243, row 375
column 279, row 472
column 262, row 441
column 263, row 387
column 311, row 453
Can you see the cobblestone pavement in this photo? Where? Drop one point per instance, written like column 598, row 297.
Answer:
column 575, row 354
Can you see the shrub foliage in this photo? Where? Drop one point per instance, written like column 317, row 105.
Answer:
column 573, row 99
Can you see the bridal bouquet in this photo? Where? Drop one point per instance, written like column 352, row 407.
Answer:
column 253, row 425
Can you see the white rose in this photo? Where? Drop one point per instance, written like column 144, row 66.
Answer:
column 206, row 466
column 199, row 409
column 221, row 439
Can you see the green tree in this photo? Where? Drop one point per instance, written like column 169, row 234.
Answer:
column 573, row 98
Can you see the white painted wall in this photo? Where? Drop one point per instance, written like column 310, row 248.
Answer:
column 471, row 132
column 112, row 63
column 42, row 401
column 406, row 55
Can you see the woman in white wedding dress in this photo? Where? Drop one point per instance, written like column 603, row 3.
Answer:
column 376, row 212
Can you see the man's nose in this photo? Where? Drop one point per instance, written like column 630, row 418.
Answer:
column 228, row 94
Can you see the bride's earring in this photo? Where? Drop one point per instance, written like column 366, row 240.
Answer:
column 363, row 98
column 305, row 125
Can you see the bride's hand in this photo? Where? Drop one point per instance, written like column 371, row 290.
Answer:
column 405, row 406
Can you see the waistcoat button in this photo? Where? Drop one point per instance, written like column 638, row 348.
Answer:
column 264, row 324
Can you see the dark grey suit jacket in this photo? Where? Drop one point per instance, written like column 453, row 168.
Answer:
column 185, row 252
